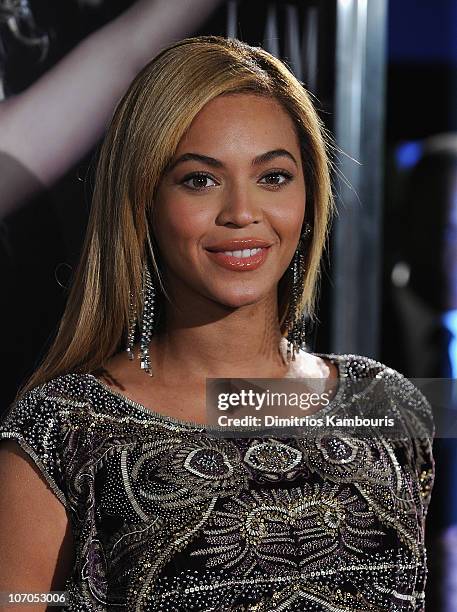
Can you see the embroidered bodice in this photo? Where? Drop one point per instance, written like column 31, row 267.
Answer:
column 166, row 516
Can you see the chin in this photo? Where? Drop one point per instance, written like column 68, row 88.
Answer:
column 239, row 299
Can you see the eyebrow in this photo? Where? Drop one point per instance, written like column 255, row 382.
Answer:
column 216, row 163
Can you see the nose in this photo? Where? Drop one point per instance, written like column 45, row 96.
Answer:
column 240, row 207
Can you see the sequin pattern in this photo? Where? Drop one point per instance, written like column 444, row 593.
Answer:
column 167, row 517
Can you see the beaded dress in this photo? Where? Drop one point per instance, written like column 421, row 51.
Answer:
column 166, row 516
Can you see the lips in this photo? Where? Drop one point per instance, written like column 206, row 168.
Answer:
column 239, row 263
column 239, row 245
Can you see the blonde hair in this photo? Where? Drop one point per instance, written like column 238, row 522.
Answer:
column 142, row 138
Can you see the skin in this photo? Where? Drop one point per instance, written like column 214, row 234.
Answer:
column 221, row 323
column 238, row 201
column 36, row 543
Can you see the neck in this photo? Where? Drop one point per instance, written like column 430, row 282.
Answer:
column 221, row 342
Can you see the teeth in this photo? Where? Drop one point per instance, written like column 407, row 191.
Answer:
column 243, row 253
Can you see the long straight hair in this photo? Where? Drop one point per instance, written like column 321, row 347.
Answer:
column 146, row 128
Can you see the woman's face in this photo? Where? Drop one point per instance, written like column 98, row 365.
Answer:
column 236, row 177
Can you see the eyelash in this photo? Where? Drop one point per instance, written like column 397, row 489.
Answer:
column 287, row 175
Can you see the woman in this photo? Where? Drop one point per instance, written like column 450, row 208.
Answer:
column 211, row 211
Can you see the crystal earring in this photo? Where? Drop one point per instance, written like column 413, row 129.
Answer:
column 131, row 329
column 148, row 295
column 296, row 325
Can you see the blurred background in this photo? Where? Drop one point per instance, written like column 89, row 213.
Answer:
column 384, row 79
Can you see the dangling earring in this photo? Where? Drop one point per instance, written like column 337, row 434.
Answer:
column 296, row 325
column 148, row 295
column 131, row 329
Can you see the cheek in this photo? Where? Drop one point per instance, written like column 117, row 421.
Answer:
column 178, row 228
column 289, row 223
column 288, row 219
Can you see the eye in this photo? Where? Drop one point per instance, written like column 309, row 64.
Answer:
column 277, row 178
column 198, row 181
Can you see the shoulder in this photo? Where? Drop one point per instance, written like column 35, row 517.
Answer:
column 409, row 405
column 357, row 367
column 361, row 366
column 45, row 403
column 403, row 392
column 36, row 421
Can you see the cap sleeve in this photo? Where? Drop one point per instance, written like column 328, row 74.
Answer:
column 35, row 423
column 423, row 448
column 417, row 415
